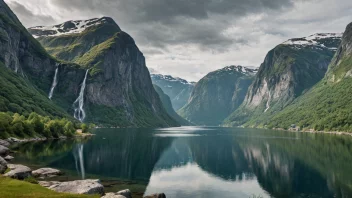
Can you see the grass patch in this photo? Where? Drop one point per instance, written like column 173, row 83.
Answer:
column 31, row 180
column 20, row 189
column 7, row 170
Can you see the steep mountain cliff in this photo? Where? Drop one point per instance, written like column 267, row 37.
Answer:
column 165, row 99
column 26, row 69
column 178, row 89
column 328, row 105
column 108, row 83
column 288, row 71
column 217, row 95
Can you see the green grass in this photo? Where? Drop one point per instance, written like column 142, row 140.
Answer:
column 31, row 180
column 340, row 70
column 21, row 189
column 326, row 107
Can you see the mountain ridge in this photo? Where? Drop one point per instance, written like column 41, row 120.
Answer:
column 327, row 105
column 127, row 97
column 217, row 95
column 178, row 89
column 287, row 72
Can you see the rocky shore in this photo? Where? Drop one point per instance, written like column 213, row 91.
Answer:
column 21, row 172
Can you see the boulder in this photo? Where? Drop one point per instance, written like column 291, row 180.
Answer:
column 46, row 172
column 3, row 165
column 4, row 151
column 112, row 195
column 18, row 171
column 13, row 140
column 121, row 194
column 8, row 158
column 126, row 193
column 47, row 184
column 158, row 195
column 88, row 186
column 4, row 143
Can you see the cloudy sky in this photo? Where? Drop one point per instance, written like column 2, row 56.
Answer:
column 189, row 38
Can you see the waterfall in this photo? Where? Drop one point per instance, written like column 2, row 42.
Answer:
column 54, row 83
column 267, row 105
column 79, row 113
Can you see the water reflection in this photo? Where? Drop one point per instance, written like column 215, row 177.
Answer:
column 206, row 162
column 79, row 159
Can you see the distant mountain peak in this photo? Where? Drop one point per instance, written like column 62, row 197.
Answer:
column 170, row 78
column 69, row 27
column 238, row 68
column 325, row 40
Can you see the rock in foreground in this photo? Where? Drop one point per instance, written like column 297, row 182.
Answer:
column 88, row 186
column 46, row 172
column 8, row 158
column 3, row 165
column 18, row 171
column 4, row 151
column 121, row 194
column 4, row 143
column 158, row 195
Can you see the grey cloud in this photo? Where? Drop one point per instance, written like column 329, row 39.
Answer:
column 168, row 22
column 189, row 38
column 27, row 17
column 166, row 11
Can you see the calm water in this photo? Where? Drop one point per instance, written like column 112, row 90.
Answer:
column 203, row 162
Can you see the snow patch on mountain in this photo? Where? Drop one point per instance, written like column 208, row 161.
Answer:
column 239, row 68
column 69, row 27
column 171, row 79
column 318, row 40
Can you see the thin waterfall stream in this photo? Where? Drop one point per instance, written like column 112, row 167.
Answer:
column 54, row 83
column 79, row 113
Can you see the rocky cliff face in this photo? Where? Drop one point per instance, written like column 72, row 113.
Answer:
column 327, row 105
column 117, row 91
column 26, row 69
column 178, row 89
column 165, row 99
column 217, row 95
column 288, row 71
column 340, row 66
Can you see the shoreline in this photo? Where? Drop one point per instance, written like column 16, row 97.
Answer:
column 39, row 139
column 314, row 132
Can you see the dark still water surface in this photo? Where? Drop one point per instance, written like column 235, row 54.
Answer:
column 203, row 162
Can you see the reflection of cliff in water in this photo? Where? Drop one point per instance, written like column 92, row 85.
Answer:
column 44, row 153
column 225, row 160
column 283, row 176
column 131, row 155
column 285, row 165
column 315, row 163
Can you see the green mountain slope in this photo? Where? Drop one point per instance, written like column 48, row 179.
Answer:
column 24, row 64
column 19, row 96
column 328, row 105
column 178, row 89
column 288, row 71
column 165, row 99
column 218, row 94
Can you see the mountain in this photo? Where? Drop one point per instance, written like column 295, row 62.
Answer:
column 327, row 106
column 106, row 83
column 24, row 67
column 178, row 89
column 288, row 71
column 217, row 95
column 165, row 99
